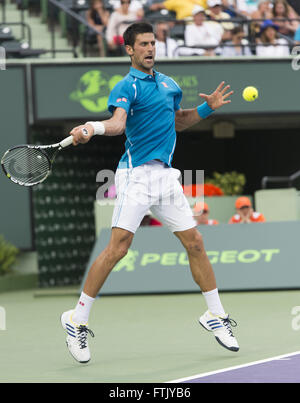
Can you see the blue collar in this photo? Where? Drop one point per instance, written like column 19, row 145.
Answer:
column 140, row 74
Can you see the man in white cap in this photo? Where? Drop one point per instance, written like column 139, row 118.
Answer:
column 215, row 12
column 202, row 33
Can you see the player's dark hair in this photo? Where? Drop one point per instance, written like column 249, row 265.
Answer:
column 134, row 29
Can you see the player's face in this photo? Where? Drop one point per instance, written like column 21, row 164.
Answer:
column 143, row 52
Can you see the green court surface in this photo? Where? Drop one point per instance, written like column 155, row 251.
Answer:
column 140, row 338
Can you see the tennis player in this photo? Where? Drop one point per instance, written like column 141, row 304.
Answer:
column 146, row 105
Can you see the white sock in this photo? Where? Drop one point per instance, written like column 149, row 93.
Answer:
column 82, row 310
column 213, row 302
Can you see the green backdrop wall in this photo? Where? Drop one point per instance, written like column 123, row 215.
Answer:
column 81, row 90
column 15, row 202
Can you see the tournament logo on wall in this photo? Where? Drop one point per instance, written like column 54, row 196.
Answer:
column 93, row 90
column 190, row 88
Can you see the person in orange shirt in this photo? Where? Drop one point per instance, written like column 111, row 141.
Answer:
column 201, row 214
column 245, row 212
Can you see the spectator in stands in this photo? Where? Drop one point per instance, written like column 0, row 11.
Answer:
column 263, row 12
column 244, row 212
column 203, row 32
column 282, row 11
column 98, row 18
column 238, row 46
column 252, row 5
column 165, row 46
column 201, row 214
column 118, row 22
column 215, row 12
column 268, row 44
column 135, row 7
column 183, row 9
column 148, row 220
column 237, row 7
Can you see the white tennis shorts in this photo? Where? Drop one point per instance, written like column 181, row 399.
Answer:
column 151, row 186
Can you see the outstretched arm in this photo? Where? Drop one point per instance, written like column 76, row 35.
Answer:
column 185, row 118
column 112, row 127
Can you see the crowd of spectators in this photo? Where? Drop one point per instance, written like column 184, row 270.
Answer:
column 209, row 27
column 244, row 213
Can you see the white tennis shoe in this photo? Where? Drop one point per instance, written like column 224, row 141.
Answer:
column 221, row 327
column 76, row 337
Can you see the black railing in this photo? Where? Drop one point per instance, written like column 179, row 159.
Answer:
column 53, row 5
column 76, row 20
column 240, row 19
column 24, row 26
column 288, row 180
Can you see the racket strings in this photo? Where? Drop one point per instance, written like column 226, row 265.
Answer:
column 27, row 165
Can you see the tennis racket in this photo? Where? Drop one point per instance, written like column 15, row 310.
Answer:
column 28, row 165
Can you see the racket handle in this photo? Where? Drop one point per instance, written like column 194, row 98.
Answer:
column 66, row 142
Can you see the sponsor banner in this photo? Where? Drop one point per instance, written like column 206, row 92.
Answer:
column 81, row 90
column 244, row 257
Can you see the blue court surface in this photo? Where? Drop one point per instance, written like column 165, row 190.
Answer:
column 280, row 369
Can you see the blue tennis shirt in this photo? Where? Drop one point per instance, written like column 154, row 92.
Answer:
column 150, row 103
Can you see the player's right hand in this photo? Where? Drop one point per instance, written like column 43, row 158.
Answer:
column 82, row 134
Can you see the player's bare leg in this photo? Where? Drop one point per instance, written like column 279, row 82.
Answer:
column 117, row 248
column 214, row 319
column 75, row 321
column 200, row 265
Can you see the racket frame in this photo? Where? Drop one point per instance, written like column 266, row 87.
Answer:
column 59, row 146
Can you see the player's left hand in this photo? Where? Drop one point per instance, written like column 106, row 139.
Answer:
column 219, row 97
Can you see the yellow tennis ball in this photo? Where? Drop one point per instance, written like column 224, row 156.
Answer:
column 250, row 94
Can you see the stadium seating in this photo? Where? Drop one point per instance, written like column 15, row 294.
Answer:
column 6, row 34
column 76, row 33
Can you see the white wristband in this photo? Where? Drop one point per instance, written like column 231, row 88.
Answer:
column 99, row 128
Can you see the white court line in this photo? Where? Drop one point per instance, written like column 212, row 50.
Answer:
column 279, row 357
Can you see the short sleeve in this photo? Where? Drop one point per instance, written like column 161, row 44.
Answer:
column 121, row 96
